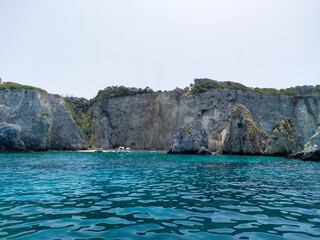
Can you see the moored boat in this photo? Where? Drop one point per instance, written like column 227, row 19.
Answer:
column 98, row 150
column 128, row 150
column 121, row 150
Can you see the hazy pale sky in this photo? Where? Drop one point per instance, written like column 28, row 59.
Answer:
column 80, row 46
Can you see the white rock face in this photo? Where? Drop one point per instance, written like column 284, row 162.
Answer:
column 311, row 151
column 284, row 139
column 142, row 122
column 314, row 142
column 191, row 139
column 149, row 120
column 244, row 135
column 10, row 137
column 41, row 120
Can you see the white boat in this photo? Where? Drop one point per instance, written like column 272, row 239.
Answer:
column 128, row 150
column 121, row 150
column 98, row 150
column 153, row 150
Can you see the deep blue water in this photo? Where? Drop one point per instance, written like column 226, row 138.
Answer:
column 145, row 196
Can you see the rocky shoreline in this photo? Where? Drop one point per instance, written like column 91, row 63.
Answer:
column 245, row 137
column 311, row 151
column 223, row 121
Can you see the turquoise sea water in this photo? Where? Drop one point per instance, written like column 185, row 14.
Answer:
column 145, row 196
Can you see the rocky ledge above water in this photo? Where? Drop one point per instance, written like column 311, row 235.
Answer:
column 10, row 137
column 284, row 139
column 191, row 139
column 245, row 136
column 311, row 151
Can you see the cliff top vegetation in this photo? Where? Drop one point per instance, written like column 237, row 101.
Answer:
column 122, row 91
column 14, row 86
column 200, row 85
column 205, row 84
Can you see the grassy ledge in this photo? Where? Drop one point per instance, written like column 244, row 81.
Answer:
column 16, row 86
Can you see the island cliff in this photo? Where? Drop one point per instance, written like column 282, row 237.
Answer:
column 146, row 120
column 150, row 120
column 32, row 119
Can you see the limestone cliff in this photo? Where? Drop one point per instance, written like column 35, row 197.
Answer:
column 244, row 135
column 149, row 120
column 10, row 137
column 284, row 139
column 35, row 120
column 146, row 120
column 311, row 151
column 191, row 139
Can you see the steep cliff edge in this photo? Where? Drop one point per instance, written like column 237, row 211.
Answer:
column 141, row 122
column 35, row 120
column 143, row 119
column 149, row 120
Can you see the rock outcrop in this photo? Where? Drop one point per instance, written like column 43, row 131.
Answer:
column 244, row 135
column 311, row 151
column 204, row 151
column 284, row 139
column 38, row 121
column 191, row 139
column 10, row 138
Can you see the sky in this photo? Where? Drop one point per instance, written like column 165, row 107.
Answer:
column 81, row 46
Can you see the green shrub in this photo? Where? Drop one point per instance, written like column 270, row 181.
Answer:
column 122, row 91
column 204, row 84
column 186, row 89
column 79, row 108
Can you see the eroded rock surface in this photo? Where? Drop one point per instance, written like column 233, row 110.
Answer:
column 191, row 139
column 149, row 120
column 244, row 135
column 39, row 120
column 10, row 138
column 284, row 139
column 311, row 151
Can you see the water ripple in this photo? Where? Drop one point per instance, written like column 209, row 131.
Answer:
column 142, row 196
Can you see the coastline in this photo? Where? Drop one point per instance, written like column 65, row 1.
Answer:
column 225, row 117
column 114, row 151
